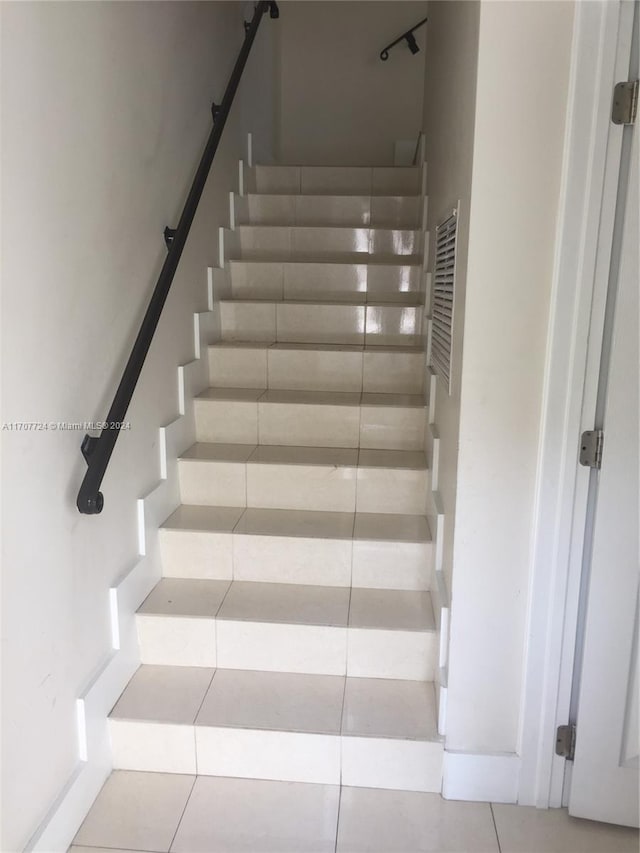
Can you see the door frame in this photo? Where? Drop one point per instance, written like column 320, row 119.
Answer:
column 585, row 225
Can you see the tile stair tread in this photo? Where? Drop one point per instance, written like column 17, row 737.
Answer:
column 293, row 226
column 300, row 523
column 292, row 604
column 337, row 195
column 403, row 300
column 274, row 454
column 305, row 347
column 330, row 257
column 280, row 701
column 321, row 260
column 316, row 398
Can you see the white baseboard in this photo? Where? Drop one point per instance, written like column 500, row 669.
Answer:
column 481, row 778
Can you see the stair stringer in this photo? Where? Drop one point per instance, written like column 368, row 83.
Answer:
column 435, row 508
column 127, row 593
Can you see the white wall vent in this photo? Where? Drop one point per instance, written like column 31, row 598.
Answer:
column 444, row 278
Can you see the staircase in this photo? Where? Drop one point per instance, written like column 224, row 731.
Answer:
column 292, row 636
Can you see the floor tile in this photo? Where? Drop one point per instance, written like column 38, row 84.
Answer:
column 176, row 640
column 316, row 398
column 320, row 323
column 153, row 747
column 335, row 180
column 255, row 321
column 380, row 707
column 278, row 647
column 237, row 395
column 332, row 281
column 138, row 811
column 327, row 369
column 391, row 426
column 205, row 519
column 391, row 490
column 255, row 280
column 405, row 655
column 274, row 700
column 386, row 526
column 370, row 399
column 249, row 816
column 378, row 821
column 321, row 425
column 350, row 211
column 391, row 609
column 283, row 455
column 303, row 523
column 523, row 829
column 396, row 211
column 314, row 488
column 278, row 179
column 392, row 763
column 181, row 597
column 392, row 459
column 266, row 754
column 164, row 694
column 75, row 849
column 391, row 564
column 207, row 482
column 213, row 452
column 290, row 603
column 226, row 421
column 293, row 559
column 236, row 366
column 396, row 180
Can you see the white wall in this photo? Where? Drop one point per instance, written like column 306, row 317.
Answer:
column 524, row 53
column 340, row 104
column 105, row 111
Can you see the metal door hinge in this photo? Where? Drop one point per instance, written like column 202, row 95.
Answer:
column 591, row 445
column 625, row 102
column 566, row 742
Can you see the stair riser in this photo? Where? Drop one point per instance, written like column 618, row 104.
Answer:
column 295, row 559
column 286, row 756
column 296, row 281
column 303, row 487
column 288, row 243
column 277, row 647
column 374, row 325
column 344, row 211
column 338, row 180
column 310, row 425
column 317, row 370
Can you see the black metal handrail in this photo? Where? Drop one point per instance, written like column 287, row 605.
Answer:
column 97, row 450
column 409, row 37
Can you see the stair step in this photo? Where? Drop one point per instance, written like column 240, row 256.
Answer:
column 288, row 726
column 324, row 280
column 307, row 322
column 343, row 180
column 304, row 478
column 317, row 367
column 311, row 418
column 338, row 210
column 322, row 630
column 286, row 242
column 381, row 551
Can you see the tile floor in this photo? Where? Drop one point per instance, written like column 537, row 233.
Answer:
column 160, row 812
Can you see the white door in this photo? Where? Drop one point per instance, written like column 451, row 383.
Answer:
column 604, row 777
